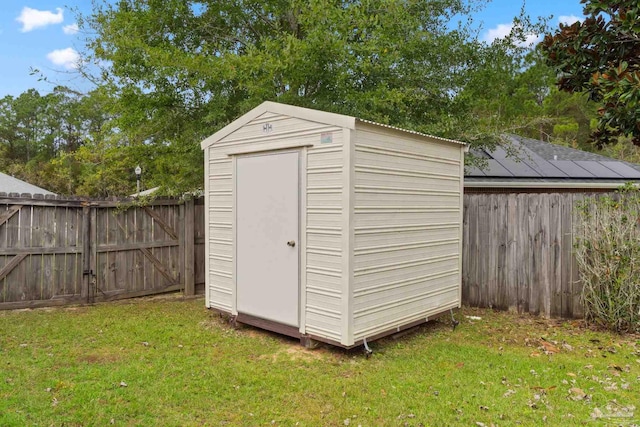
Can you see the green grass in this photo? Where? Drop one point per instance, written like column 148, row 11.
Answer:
column 171, row 362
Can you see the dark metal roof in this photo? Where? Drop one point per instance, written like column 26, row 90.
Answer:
column 533, row 160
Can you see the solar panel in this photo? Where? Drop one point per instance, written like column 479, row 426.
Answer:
column 542, row 166
column 572, row 169
column 495, row 169
column 519, row 169
column 499, row 153
column 621, row 169
column 473, row 171
column 597, row 169
column 545, row 168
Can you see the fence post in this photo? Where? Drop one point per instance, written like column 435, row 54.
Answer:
column 86, row 254
column 189, row 247
column 93, row 254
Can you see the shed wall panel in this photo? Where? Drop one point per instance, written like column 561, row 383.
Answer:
column 220, row 219
column 391, row 198
column 407, row 229
column 324, row 243
column 323, row 216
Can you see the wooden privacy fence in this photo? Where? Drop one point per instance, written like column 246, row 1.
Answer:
column 57, row 251
column 518, row 253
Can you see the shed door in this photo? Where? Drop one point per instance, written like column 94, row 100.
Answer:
column 267, row 209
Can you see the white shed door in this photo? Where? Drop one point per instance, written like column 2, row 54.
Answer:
column 267, row 230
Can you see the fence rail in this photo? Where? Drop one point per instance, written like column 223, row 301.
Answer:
column 56, row 251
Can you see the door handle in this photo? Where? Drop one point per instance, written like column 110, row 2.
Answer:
column 291, row 243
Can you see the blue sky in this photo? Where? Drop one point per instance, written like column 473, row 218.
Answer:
column 41, row 34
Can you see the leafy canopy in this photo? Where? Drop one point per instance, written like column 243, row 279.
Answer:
column 179, row 70
column 601, row 57
column 387, row 60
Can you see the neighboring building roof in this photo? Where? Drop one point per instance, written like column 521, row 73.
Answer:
column 9, row 184
column 148, row 192
column 534, row 163
column 339, row 120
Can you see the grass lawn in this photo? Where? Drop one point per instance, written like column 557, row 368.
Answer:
column 169, row 361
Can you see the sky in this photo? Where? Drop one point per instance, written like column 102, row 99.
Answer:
column 43, row 35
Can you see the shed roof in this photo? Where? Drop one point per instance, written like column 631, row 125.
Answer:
column 9, row 184
column 537, row 163
column 339, row 120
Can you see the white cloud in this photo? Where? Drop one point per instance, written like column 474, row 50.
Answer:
column 530, row 40
column 568, row 19
column 500, row 32
column 70, row 29
column 68, row 58
column 503, row 30
column 34, row 18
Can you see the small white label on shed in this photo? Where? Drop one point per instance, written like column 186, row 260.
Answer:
column 326, row 138
column 267, row 128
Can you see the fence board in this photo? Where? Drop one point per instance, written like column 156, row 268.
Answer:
column 199, row 230
column 48, row 262
column 534, row 250
column 555, row 256
column 577, row 310
column 474, row 221
column 511, row 276
column 17, row 272
column 501, row 297
column 465, row 237
column 518, row 253
column 523, row 258
column 188, row 242
column 486, row 268
column 566, row 205
column 58, row 272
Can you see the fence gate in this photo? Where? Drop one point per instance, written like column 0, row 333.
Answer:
column 57, row 251
column 40, row 251
column 136, row 251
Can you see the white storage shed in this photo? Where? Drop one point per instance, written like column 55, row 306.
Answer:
column 330, row 227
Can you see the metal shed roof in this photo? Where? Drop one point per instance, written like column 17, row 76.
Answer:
column 9, row 184
column 339, row 120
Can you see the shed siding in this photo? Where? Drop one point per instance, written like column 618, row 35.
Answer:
column 407, row 229
column 219, row 220
column 323, row 215
column 324, row 238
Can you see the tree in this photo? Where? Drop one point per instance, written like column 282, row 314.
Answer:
column 507, row 95
column 601, row 57
column 181, row 69
column 40, row 135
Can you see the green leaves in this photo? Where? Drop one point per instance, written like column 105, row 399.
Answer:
column 607, row 249
column 601, row 57
column 188, row 68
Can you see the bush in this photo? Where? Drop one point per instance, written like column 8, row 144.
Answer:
column 607, row 249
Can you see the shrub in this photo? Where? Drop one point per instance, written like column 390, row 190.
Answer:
column 607, row 249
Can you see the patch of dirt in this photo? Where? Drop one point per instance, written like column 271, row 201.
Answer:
column 253, row 332
column 214, row 322
column 298, row 352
